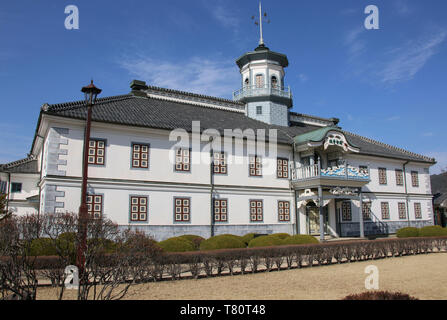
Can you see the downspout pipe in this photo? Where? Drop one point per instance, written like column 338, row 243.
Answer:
column 297, row 220
column 406, row 191
column 212, row 190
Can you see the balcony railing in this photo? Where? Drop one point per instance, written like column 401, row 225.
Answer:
column 338, row 172
column 253, row 91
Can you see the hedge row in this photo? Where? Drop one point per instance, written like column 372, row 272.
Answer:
column 428, row 231
column 249, row 260
column 230, row 241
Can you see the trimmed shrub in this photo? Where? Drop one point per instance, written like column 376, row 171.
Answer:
column 176, row 244
column 194, row 239
column 106, row 245
column 265, row 241
column 247, row 238
column 432, row 231
column 224, row 241
column 380, row 295
column 407, row 232
column 281, row 236
column 300, row 239
column 42, row 247
column 66, row 244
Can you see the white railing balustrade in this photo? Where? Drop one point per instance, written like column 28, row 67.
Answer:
column 314, row 171
column 254, row 90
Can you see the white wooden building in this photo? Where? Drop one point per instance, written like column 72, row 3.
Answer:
column 316, row 178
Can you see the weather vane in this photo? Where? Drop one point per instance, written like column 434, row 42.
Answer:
column 259, row 23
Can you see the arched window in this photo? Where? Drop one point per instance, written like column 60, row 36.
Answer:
column 274, row 82
column 259, row 81
column 246, row 82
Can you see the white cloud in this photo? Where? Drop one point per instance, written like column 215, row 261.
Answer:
column 349, row 11
column 303, row 78
column 199, row 75
column 354, row 43
column 406, row 61
column 393, row 118
column 226, row 17
column 428, row 134
column 402, row 7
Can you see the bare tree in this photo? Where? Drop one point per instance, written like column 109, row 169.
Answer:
column 18, row 277
column 4, row 213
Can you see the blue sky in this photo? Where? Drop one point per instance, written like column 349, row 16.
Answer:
column 387, row 84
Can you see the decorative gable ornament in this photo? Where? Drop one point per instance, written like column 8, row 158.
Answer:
column 336, row 139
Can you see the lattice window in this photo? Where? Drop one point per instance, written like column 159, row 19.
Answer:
column 284, row 210
column 259, row 81
column 138, row 208
column 255, row 166
column 414, row 179
column 346, row 211
column 182, row 209
column 282, row 166
column 220, row 163
column 385, row 208
column 96, row 151
column 256, row 210
column 366, row 210
column 417, row 210
column 94, row 205
column 382, row 176
column 220, row 210
column 140, row 155
column 402, row 210
column 183, row 160
column 399, row 177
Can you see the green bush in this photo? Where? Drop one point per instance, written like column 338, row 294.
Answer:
column 247, row 238
column 105, row 245
column 432, row 231
column 194, row 239
column 407, row 232
column 300, row 239
column 224, row 241
column 42, row 247
column 265, row 241
column 66, row 244
column 176, row 244
column 281, row 236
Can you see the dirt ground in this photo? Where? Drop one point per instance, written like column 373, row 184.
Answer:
column 422, row 276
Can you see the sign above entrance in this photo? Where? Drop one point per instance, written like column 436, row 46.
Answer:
column 327, row 137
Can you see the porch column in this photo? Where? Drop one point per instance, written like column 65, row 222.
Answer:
column 320, row 207
column 362, row 231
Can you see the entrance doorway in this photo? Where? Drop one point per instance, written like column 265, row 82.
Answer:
column 313, row 218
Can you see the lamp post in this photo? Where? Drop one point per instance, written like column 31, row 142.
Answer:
column 90, row 93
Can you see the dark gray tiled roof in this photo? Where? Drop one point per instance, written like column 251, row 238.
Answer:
column 372, row 147
column 140, row 111
column 27, row 165
column 162, row 114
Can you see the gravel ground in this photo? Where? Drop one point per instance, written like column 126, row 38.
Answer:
column 422, row 276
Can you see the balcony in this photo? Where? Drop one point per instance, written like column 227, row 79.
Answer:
column 342, row 175
column 267, row 90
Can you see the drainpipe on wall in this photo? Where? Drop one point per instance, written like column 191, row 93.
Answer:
column 406, row 192
column 212, row 190
column 295, row 193
column 40, row 180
